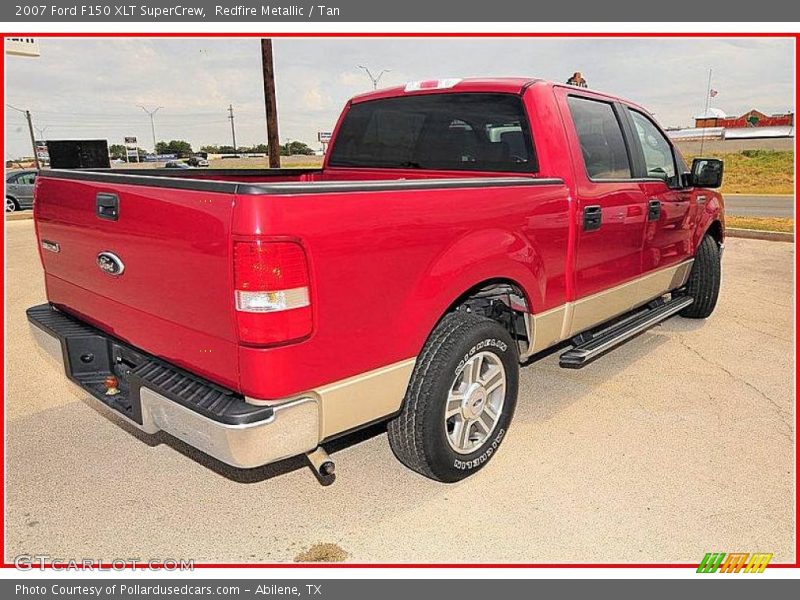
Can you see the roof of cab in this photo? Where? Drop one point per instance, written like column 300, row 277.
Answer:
column 507, row 85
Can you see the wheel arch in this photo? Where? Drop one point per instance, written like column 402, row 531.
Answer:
column 716, row 231
column 489, row 266
column 501, row 299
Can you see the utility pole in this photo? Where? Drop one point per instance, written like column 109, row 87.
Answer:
column 27, row 114
column 233, row 130
column 705, row 113
column 372, row 77
column 270, row 104
column 152, row 114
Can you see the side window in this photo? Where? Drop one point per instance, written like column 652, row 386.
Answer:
column 26, row 179
column 657, row 150
column 602, row 145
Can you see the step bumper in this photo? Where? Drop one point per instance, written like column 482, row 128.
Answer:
column 156, row 396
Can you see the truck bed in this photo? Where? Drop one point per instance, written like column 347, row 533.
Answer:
column 364, row 238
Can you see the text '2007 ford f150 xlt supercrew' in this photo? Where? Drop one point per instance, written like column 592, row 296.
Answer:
column 456, row 229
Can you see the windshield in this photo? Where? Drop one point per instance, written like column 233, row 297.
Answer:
column 475, row 132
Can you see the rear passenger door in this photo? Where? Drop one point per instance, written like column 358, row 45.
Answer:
column 611, row 203
column 670, row 207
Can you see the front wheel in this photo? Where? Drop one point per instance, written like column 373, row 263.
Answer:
column 460, row 400
column 704, row 280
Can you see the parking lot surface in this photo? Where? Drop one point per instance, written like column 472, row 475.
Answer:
column 679, row 443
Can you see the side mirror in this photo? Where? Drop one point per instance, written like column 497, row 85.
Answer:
column 706, row 172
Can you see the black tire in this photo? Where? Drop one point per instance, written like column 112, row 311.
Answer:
column 419, row 434
column 11, row 205
column 704, row 280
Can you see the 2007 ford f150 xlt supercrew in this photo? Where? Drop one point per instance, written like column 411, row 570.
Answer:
column 456, row 229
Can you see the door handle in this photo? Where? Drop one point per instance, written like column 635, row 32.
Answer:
column 107, row 206
column 654, row 210
column 592, row 218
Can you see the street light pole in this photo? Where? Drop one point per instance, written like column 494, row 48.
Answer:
column 373, row 78
column 152, row 114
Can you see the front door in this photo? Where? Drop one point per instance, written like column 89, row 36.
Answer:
column 670, row 208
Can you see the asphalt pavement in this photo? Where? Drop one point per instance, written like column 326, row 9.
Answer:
column 742, row 205
column 679, row 443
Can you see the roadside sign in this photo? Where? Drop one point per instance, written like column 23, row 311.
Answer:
column 22, row 46
column 41, row 151
column 131, row 148
column 324, row 137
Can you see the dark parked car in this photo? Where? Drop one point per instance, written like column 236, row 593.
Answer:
column 176, row 164
column 197, row 161
column 19, row 190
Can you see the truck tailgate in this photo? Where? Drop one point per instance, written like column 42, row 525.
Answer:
column 174, row 297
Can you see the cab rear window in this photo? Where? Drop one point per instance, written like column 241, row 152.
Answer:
column 470, row 132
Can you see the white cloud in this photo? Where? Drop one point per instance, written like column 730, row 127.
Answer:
column 92, row 87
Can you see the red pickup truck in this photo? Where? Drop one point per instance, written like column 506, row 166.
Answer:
column 456, row 229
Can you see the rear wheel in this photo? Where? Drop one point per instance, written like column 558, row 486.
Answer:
column 704, row 280
column 11, row 205
column 460, row 400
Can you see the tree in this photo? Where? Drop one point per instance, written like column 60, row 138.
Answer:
column 296, row 148
column 215, row 149
column 117, row 151
column 179, row 147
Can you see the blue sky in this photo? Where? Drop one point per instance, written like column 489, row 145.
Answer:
column 85, row 88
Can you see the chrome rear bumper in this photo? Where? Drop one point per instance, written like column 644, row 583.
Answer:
column 290, row 428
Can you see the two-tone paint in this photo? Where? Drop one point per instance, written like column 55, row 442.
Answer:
column 390, row 251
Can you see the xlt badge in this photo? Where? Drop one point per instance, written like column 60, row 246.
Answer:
column 110, row 263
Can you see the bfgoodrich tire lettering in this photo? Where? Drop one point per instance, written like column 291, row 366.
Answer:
column 419, row 434
column 704, row 280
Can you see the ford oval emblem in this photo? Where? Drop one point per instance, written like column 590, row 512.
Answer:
column 110, row 263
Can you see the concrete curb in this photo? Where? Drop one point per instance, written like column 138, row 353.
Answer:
column 20, row 216
column 752, row 194
column 755, row 234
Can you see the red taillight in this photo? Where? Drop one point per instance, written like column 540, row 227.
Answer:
column 271, row 294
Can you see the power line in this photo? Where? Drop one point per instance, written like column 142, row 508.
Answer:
column 27, row 114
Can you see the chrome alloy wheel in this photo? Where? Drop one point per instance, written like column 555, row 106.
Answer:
column 475, row 402
column 11, row 206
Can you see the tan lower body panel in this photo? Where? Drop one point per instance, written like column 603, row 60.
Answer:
column 371, row 396
column 563, row 322
column 364, row 398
